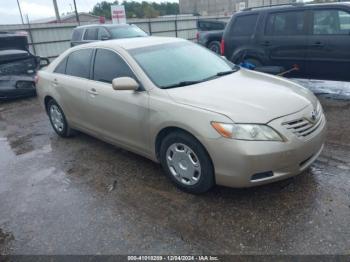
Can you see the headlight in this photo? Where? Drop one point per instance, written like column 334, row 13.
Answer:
column 247, row 132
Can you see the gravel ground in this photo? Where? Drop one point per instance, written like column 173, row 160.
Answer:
column 83, row 196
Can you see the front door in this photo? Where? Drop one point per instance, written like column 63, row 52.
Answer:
column 329, row 44
column 119, row 116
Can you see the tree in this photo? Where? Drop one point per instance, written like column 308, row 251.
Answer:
column 136, row 9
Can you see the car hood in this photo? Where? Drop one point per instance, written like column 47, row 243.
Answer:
column 246, row 96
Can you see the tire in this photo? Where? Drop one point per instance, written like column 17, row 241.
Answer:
column 58, row 120
column 215, row 47
column 187, row 163
column 253, row 61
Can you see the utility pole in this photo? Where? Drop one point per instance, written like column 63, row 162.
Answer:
column 20, row 11
column 56, row 11
column 76, row 12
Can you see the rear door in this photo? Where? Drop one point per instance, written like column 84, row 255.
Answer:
column 328, row 56
column 70, row 81
column 285, row 39
column 240, row 34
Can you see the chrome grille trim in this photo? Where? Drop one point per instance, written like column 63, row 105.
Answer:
column 303, row 127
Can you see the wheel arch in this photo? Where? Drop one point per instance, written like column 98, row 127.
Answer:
column 170, row 129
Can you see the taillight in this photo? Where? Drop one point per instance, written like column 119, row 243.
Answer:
column 36, row 79
column 222, row 47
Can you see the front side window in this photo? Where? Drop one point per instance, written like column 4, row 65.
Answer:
column 331, row 22
column 78, row 63
column 244, row 25
column 175, row 64
column 286, row 23
column 102, row 34
column 109, row 65
column 90, row 34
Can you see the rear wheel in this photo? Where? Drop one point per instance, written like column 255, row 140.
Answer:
column 187, row 163
column 58, row 120
column 214, row 46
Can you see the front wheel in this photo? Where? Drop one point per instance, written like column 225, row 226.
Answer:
column 187, row 163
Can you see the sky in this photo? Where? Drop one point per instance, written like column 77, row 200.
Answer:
column 37, row 9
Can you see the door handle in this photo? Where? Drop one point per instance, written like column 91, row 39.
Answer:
column 93, row 91
column 317, row 44
column 265, row 43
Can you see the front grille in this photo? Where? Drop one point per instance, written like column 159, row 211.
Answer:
column 304, row 127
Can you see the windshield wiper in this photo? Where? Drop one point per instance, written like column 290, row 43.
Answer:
column 181, row 84
column 235, row 69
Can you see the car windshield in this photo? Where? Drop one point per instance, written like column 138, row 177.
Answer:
column 126, row 32
column 180, row 64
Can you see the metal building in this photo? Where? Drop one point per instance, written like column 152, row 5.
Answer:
column 223, row 7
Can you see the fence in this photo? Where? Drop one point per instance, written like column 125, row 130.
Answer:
column 50, row 40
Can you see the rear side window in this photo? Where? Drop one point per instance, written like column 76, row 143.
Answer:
column 77, row 35
column 61, row 68
column 78, row 63
column 210, row 25
column 331, row 22
column 286, row 23
column 109, row 65
column 244, row 25
column 90, row 34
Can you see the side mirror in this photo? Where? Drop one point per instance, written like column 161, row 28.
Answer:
column 44, row 62
column 125, row 83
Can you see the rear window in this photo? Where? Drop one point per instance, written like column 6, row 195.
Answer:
column 244, row 25
column 286, row 23
column 210, row 25
column 90, row 34
column 61, row 68
column 77, row 34
column 79, row 62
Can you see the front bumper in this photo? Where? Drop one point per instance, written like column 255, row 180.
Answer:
column 238, row 163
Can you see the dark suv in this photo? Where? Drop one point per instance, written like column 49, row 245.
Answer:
column 91, row 33
column 315, row 37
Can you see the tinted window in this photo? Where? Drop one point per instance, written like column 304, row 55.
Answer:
column 244, row 25
column 78, row 63
column 90, row 34
column 102, row 33
column 209, row 25
column 330, row 22
column 77, row 34
column 109, row 65
column 287, row 23
column 61, row 68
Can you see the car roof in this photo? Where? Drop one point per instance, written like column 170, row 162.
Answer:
column 292, row 6
column 132, row 43
column 101, row 25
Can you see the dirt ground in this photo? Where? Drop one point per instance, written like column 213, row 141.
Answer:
column 83, row 196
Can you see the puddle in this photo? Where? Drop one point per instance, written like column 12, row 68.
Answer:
column 330, row 89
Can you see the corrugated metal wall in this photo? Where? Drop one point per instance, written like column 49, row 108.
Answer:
column 50, row 40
